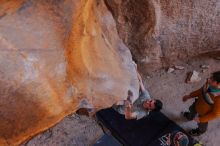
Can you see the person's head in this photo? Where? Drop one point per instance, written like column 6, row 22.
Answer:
column 178, row 138
column 153, row 104
column 214, row 80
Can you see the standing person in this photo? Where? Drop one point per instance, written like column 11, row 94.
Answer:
column 206, row 106
column 141, row 107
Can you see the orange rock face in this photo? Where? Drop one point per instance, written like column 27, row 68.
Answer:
column 57, row 57
column 10, row 6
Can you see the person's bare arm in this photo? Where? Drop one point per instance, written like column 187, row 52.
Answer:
column 192, row 95
column 128, row 111
column 141, row 82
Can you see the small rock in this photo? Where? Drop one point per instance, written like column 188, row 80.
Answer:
column 179, row 67
column 205, row 66
column 148, row 77
column 203, row 70
column 193, row 77
column 170, row 70
column 121, row 19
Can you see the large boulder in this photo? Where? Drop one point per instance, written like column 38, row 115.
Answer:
column 56, row 57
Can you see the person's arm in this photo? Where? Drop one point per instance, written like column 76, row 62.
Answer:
column 144, row 92
column 192, row 95
column 195, row 93
column 213, row 114
column 198, row 92
column 128, row 111
column 141, row 82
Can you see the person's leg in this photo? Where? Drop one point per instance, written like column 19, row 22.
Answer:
column 192, row 112
column 144, row 95
column 202, row 127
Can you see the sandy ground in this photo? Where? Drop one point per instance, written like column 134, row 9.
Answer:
column 78, row 130
column 73, row 130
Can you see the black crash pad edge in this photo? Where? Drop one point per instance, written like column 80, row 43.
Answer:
column 104, row 123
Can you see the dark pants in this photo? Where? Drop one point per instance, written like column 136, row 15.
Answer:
column 202, row 127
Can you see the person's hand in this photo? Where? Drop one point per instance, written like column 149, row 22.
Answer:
column 196, row 119
column 127, row 104
column 186, row 97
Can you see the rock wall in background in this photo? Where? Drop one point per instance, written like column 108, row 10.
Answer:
column 159, row 32
column 57, row 56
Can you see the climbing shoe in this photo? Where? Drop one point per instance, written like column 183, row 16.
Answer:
column 195, row 132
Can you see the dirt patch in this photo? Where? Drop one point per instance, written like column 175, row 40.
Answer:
column 74, row 130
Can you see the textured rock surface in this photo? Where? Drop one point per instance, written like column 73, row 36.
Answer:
column 66, row 133
column 159, row 32
column 56, row 57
